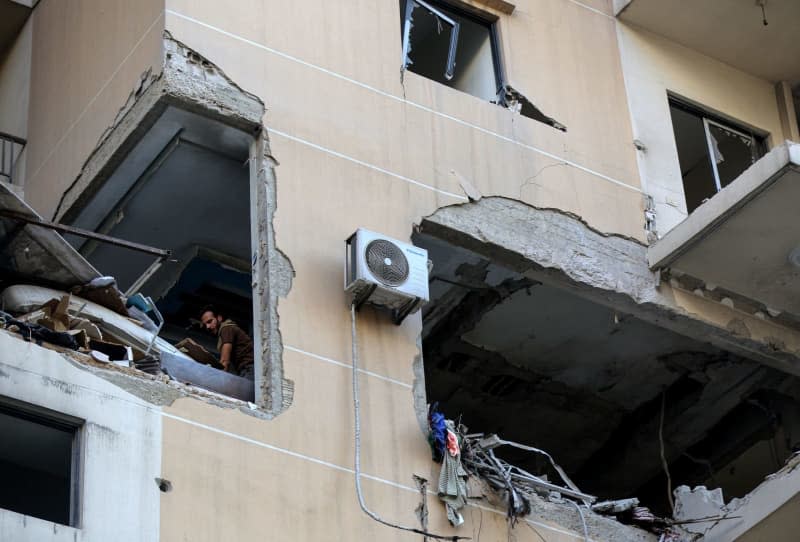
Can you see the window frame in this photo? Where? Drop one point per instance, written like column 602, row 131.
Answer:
column 56, row 420
column 480, row 17
column 707, row 123
column 708, row 118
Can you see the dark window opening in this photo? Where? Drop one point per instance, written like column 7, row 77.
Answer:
column 542, row 365
column 452, row 47
column 39, row 462
column 712, row 152
column 206, row 281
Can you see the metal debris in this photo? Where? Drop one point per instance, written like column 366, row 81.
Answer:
column 519, row 485
column 615, row 507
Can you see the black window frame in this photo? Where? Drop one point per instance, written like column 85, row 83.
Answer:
column 759, row 138
column 60, row 421
column 473, row 14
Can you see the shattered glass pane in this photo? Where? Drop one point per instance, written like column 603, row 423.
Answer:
column 429, row 43
column 734, row 152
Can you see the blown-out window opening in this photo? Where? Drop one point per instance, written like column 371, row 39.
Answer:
column 451, row 46
column 712, row 151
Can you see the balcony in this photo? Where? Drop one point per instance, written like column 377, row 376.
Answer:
column 732, row 31
column 746, row 238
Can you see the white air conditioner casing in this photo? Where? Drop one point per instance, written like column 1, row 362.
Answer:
column 386, row 272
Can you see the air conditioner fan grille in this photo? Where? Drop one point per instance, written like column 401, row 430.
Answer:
column 387, row 262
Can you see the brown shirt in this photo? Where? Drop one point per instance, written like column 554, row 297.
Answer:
column 242, row 351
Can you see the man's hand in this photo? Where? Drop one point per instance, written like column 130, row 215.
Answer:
column 225, row 355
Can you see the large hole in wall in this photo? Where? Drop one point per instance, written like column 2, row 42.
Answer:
column 541, row 365
column 185, row 187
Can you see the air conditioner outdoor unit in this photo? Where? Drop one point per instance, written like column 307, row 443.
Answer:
column 385, row 272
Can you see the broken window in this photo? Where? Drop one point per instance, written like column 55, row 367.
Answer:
column 452, row 47
column 712, row 152
column 460, row 49
column 545, row 365
column 39, row 462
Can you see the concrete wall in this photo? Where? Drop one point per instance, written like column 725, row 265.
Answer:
column 654, row 66
column 121, row 447
column 87, row 56
column 358, row 148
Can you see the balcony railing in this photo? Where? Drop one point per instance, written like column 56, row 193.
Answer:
column 10, row 148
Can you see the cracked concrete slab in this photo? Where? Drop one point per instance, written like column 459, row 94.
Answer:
column 560, row 249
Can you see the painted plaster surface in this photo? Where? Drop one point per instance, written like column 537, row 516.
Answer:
column 87, row 57
column 654, row 66
column 121, row 454
column 356, row 147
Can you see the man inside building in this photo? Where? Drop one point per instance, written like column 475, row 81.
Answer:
column 234, row 345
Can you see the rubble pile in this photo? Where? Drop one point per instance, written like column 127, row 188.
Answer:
column 99, row 321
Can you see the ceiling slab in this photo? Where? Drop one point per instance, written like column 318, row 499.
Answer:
column 731, row 31
column 546, row 366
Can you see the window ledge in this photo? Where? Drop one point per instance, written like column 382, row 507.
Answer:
column 156, row 389
column 501, row 6
column 36, row 528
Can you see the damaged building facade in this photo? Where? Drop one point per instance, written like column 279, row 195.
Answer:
column 606, row 192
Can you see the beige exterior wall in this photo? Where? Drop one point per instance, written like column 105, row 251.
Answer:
column 359, row 149
column 654, row 66
column 87, row 57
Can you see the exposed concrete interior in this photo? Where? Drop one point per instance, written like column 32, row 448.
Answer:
column 542, row 363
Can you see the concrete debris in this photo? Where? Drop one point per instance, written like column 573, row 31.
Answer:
column 469, row 189
column 643, row 514
column 615, row 507
column 697, row 504
column 517, row 484
column 97, row 330
column 517, row 102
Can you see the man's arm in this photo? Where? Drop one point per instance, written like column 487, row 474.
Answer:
column 225, row 355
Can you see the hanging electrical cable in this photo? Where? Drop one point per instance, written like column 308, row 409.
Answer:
column 357, row 433
column 583, row 521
